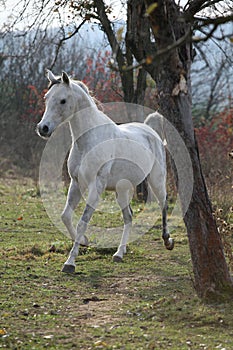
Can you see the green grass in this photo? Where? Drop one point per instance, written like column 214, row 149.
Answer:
column 147, row 302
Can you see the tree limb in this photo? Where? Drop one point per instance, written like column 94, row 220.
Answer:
column 64, row 39
column 126, row 76
column 110, row 33
column 213, row 86
column 215, row 21
column 195, row 6
column 161, row 52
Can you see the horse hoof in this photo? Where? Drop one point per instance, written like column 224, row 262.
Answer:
column 169, row 244
column 117, row 259
column 84, row 241
column 68, row 268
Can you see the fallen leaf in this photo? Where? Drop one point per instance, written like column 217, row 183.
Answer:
column 100, row 343
column 3, row 331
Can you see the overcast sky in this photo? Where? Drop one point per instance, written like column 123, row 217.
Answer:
column 10, row 10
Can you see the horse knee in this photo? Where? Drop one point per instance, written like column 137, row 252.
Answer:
column 65, row 217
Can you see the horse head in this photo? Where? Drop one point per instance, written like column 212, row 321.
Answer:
column 60, row 104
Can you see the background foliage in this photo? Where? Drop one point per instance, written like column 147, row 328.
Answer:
column 23, row 85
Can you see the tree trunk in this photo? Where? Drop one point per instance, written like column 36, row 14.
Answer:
column 211, row 275
column 131, row 94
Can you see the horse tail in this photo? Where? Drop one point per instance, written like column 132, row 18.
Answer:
column 156, row 122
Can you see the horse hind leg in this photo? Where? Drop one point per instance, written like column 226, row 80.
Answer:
column 124, row 193
column 127, row 216
column 168, row 242
column 159, row 190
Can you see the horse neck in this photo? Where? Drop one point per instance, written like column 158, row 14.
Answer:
column 87, row 116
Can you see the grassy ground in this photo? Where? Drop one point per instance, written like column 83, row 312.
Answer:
column 146, row 302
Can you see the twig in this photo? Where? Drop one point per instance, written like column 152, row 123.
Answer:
column 64, row 39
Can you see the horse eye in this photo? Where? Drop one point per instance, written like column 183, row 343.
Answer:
column 63, row 102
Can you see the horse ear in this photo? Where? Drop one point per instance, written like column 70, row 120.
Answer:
column 51, row 77
column 65, row 78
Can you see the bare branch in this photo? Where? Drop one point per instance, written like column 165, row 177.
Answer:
column 211, row 22
column 195, row 6
column 162, row 52
column 201, row 22
column 110, row 33
column 213, row 86
column 118, row 55
column 64, row 39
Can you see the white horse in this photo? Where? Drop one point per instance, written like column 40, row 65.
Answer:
column 104, row 156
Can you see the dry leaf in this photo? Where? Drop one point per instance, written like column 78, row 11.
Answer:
column 100, row 343
column 151, row 8
column 3, row 331
column 119, row 34
column 180, row 87
column 149, row 59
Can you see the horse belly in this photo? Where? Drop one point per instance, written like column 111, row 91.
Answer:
column 125, row 170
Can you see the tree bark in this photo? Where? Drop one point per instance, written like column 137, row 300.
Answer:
column 121, row 59
column 211, row 275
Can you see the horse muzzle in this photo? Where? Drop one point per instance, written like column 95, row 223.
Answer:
column 43, row 130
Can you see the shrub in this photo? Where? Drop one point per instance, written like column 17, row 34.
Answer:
column 215, row 142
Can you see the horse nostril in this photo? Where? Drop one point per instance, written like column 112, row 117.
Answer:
column 45, row 130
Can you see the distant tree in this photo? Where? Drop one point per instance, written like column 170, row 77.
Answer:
column 212, row 79
column 215, row 140
column 21, row 86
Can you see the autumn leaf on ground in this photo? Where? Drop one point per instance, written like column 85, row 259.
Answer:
column 3, row 331
column 100, row 343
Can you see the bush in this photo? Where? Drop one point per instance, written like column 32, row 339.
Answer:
column 215, row 143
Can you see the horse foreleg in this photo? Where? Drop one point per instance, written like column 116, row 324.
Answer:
column 69, row 265
column 92, row 201
column 127, row 216
column 73, row 198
